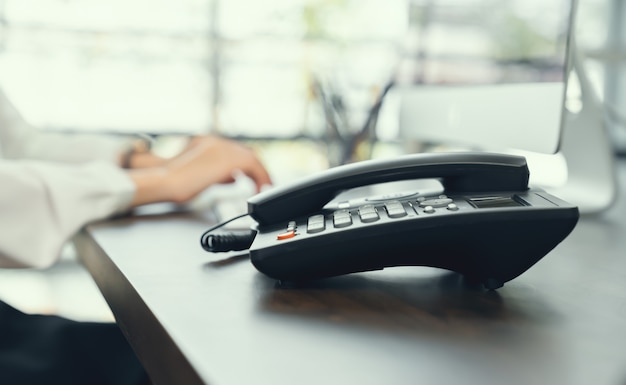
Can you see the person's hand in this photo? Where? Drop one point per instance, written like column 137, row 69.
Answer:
column 138, row 155
column 204, row 162
column 208, row 160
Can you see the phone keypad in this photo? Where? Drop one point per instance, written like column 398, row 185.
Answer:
column 370, row 213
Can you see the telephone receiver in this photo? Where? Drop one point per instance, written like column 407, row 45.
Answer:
column 458, row 172
column 487, row 224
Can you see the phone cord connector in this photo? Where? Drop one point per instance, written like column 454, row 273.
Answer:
column 227, row 242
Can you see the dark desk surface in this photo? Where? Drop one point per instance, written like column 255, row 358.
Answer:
column 198, row 318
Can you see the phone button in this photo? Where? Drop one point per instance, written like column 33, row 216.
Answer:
column 368, row 214
column 342, row 218
column 315, row 224
column 438, row 202
column 429, row 209
column 453, row 207
column 286, row 235
column 395, row 209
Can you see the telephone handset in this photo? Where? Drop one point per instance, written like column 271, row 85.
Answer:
column 486, row 224
column 459, row 172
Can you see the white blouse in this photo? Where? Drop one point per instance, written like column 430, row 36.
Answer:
column 51, row 185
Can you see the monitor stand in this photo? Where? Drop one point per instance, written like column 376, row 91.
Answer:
column 586, row 157
column 583, row 171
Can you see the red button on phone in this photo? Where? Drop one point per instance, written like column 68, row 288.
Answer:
column 286, row 235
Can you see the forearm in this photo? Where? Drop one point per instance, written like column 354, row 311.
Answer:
column 143, row 160
column 168, row 184
column 43, row 205
column 21, row 140
column 152, row 185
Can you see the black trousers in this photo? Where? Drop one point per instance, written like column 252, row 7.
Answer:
column 44, row 349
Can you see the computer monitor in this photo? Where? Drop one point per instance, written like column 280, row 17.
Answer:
column 486, row 73
column 493, row 75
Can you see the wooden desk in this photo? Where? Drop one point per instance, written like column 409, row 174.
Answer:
column 197, row 318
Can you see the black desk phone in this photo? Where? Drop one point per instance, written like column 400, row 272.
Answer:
column 486, row 224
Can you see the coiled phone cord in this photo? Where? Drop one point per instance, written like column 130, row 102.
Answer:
column 233, row 241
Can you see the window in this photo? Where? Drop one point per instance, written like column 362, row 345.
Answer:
column 108, row 65
column 239, row 67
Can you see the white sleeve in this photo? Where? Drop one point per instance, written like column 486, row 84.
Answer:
column 42, row 205
column 21, row 140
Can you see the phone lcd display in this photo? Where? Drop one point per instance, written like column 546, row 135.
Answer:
column 494, row 201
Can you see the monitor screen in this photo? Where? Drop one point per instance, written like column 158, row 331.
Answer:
column 487, row 73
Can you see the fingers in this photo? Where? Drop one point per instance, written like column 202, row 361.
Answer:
column 221, row 157
column 243, row 159
column 259, row 175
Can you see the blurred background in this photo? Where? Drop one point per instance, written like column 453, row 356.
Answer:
column 290, row 77
column 239, row 67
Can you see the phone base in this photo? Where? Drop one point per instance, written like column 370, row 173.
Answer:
column 490, row 238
